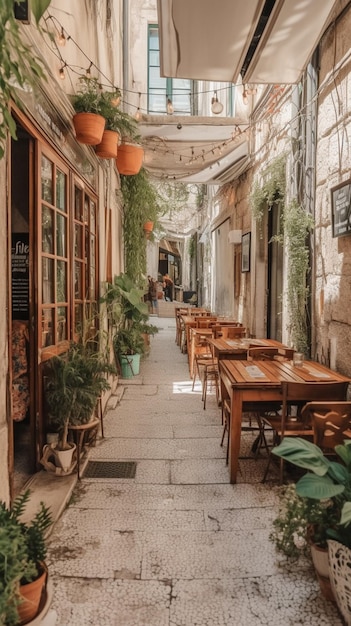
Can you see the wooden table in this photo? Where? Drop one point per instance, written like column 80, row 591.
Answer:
column 260, row 381
column 237, row 348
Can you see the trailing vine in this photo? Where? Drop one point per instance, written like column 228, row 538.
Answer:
column 17, row 64
column 272, row 191
column 297, row 224
column 142, row 203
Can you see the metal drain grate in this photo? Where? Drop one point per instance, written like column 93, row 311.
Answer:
column 110, row 469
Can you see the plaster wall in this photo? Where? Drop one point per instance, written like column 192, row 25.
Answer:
column 332, row 279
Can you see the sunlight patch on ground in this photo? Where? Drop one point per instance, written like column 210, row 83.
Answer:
column 186, row 386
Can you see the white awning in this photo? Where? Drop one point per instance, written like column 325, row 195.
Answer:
column 223, row 40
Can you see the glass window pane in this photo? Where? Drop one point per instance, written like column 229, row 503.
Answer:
column 47, row 324
column 92, row 216
column 179, row 84
column 181, row 103
column 78, row 248
column 61, row 331
column 61, row 223
column 47, row 280
column 60, row 190
column 47, row 219
column 153, row 39
column 154, row 58
column 157, row 102
column 61, row 281
column 78, row 204
column 46, row 180
column 78, row 273
column 78, row 318
column 155, row 80
column 86, row 210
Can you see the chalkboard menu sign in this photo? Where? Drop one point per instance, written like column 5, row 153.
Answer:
column 20, row 276
column 341, row 209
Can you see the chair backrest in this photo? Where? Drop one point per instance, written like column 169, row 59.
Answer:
column 286, row 353
column 232, row 332
column 205, row 322
column 331, row 422
column 298, row 394
column 262, row 354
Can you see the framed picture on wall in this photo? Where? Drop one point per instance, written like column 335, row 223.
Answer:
column 341, row 209
column 245, row 252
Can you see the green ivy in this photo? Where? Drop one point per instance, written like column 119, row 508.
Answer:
column 297, row 224
column 18, row 66
column 272, row 191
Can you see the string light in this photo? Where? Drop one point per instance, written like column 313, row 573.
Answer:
column 138, row 112
column 88, row 72
column 169, row 107
column 216, row 106
column 62, row 73
column 61, row 38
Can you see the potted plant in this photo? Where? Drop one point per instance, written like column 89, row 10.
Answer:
column 329, row 483
column 75, row 381
column 116, row 123
column 89, row 123
column 23, row 572
column 126, row 311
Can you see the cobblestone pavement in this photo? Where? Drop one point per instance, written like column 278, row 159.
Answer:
column 176, row 545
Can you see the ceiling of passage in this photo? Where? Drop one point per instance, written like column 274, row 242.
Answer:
column 266, row 42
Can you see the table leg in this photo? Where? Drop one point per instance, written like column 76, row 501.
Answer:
column 235, row 433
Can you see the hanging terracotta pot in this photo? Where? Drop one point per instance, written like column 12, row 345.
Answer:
column 107, row 149
column 89, row 128
column 129, row 159
column 148, row 228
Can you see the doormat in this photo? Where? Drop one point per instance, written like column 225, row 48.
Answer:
column 110, row 469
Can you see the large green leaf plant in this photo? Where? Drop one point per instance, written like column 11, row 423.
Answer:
column 326, row 481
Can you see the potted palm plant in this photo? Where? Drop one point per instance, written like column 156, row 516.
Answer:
column 74, row 382
column 23, row 572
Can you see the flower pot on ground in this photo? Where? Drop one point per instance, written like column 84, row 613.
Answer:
column 128, row 342
column 22, row 560
column 129, row 159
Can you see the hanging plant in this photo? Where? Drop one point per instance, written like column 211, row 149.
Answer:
column 272, row 191
column 297, row 225
column 18, row 65
column 142, row 203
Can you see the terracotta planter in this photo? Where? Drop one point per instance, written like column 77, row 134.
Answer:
column 129, row 159
column 148, row 227
column 31, row 595
column 107, row 149
column 321, row 565
column 89, row 128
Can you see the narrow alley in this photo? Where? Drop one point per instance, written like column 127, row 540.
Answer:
column 176, row 545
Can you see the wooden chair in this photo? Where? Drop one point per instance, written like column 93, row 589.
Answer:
column 201, row 354
column 205, row 322
column 331, row 423
column 210, row 375
column 296, row 423
column 262, row 354
column 229, row 332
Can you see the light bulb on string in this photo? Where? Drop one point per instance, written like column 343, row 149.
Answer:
column 169, row 107
column 137, row 115
column 216, row 106
column 62, row 73
column 88, row 72
column 61, row 38
column 245, row 96
column 116, row 98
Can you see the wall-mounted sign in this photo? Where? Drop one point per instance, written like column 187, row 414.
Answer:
column 341, row 209
column 20, row 276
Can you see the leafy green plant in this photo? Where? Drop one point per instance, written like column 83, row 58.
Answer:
column 18, row 65
column 88, row 97
column 327, row 481
column 271, row 191
column 142, row 203
column 22, row 550
column 297, row 516
column 75, row 380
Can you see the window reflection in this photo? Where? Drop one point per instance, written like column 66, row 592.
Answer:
column 46, row 179
column 61, row 331
column 47, row 326
column 61, row 235
column 47, row 230
column 47, row 280
column 61, row 278
column 60, row 190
